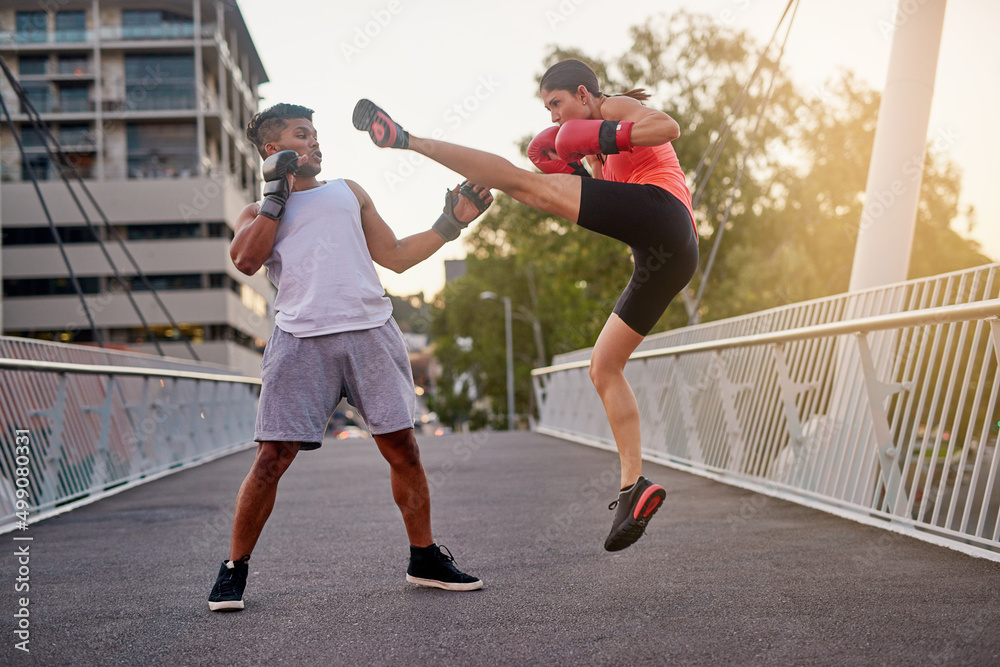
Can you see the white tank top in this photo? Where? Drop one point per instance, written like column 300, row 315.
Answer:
column 321, row 266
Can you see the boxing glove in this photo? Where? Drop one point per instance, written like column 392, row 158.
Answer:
column 579, row 138
column 540, row 152
column 276, row 170
column 447, row 225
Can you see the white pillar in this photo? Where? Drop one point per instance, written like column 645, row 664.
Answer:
column 204, row 163
column 885, row 237
column 1, row 258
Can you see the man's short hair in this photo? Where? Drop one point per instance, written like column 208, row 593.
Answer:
column 265, row 126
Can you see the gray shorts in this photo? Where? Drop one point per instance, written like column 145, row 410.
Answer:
column 303, row 380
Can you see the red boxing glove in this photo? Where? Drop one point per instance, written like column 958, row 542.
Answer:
column 541, row 152
column 578, row 138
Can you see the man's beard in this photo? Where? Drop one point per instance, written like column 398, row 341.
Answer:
column 308, row 170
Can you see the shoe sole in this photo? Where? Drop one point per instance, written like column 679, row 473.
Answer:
column 445, row 585
column 649, row 502
column 365, row 115
column 364, row 110
column 226, row 605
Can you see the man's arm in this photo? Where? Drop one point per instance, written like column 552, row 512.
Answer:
column 400, row 254
column 253, row 241
column 257, row 224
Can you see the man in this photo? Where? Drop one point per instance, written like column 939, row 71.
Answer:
column 334, row 336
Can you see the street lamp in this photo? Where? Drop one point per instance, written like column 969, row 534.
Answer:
column 510, row 354
column 526, row 315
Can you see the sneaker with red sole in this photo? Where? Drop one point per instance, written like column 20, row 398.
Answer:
column 383, row 130
column 636, row 506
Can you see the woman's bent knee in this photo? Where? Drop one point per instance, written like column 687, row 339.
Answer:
column 602, row 373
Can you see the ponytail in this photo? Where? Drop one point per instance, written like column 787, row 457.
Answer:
column 636, row 94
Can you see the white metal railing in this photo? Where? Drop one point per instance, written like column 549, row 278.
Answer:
column 81, row 423
column 880, row 405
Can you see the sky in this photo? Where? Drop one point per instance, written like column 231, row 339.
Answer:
column 468, row 70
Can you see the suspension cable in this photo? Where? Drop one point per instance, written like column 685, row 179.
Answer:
column 43, row 131
column 52, row 226
column 726, row 126
column 692, row 305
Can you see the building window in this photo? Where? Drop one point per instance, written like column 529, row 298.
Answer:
column 169, row 282
column 159, row 82
column 39, row 95
column 71, row 26
column 30, row 137
column 76, row 134
column 181, row 230
column 75, row 65
column 161, row 150
column 254, row 302
column 219, row 230
column 194, row 332
column 74, row 97
column 79, row 163
column 13, row 287
column 43, row 235
column 32, row 27
column 155, row 24
column 32, row 65
column 37, row 166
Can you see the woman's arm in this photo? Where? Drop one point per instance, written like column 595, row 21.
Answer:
column 652, row 127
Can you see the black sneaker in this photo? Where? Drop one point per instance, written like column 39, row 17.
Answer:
column 383, row 130
column 430, row 566
column 227, row 594
column 635, row 507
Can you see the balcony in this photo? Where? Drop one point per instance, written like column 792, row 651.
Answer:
column 62, row 106
column 165, row 31
column 42, row 38
column 134, row 33
column 65, row 71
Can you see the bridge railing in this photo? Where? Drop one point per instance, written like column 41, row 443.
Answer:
column 79, row 424
column 880, row 406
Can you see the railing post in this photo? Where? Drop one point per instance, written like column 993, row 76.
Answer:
column 995, row 331
column 789, row 391
column 888, row 451
column 102, row 466
column 685, row 398
column 728, row 394
column 56, row 414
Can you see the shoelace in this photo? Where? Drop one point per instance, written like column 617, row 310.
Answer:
column 228, row 584
column 613, row 505
column 447, row 558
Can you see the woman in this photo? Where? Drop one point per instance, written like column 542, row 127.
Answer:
column 638, row 195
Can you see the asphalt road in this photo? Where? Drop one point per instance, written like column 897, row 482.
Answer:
column 723, row 577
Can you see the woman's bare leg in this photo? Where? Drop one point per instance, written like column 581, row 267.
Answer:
column 607, row 371
column 558, row 194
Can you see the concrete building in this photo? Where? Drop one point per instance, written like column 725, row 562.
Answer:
column 149, row 102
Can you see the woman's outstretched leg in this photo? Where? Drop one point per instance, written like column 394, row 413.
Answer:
column 558, row 194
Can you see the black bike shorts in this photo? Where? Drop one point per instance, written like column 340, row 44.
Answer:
column 658, row 229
